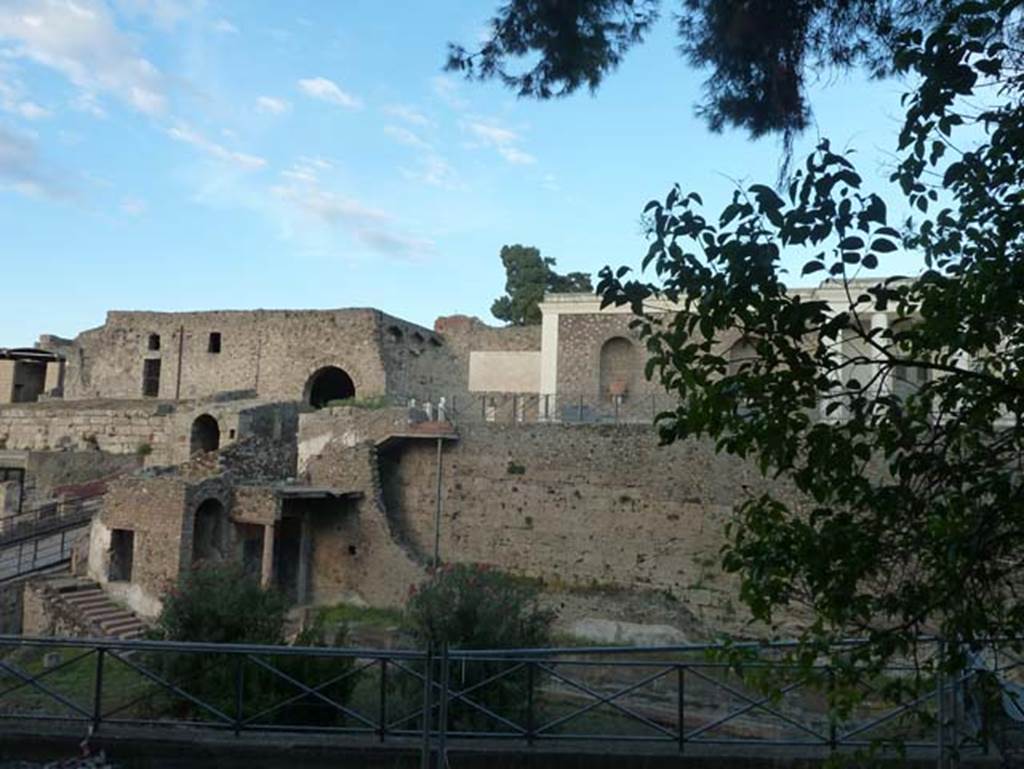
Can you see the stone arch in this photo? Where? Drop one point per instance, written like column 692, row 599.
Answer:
column 327, row 384
column 209, row 531
column 618, row 368
column 742, row 351
column 205, row 435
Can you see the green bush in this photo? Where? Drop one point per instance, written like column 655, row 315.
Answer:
column 472, row 606
column 221, row 604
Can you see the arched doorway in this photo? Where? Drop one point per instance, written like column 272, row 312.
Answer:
column 327, row 385
column 209, row 531
column 618, row 368
column 205, row 435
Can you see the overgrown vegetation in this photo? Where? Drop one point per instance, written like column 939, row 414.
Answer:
column 221, row 604
column 473, row 606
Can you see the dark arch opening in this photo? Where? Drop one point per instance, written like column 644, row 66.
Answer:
column 327, row 385
column 205, row 435
column 208, row 532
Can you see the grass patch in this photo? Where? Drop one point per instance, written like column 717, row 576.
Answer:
column 349, row 614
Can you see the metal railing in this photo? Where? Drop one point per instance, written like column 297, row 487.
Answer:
column 51, row 515
column 533, row 408
column 43, row 537
column 677, row 696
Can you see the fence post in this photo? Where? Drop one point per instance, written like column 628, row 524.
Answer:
column 382, row 728
column 97, row 694
column 239, row 693
column 832, row 728
column 428, row 683
column 940, row 699
column 442, row 737
column 529, row 702
column 680, row 705
column 616, row 409
column 579, row 412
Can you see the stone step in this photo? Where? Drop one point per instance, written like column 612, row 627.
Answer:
column 85, row 601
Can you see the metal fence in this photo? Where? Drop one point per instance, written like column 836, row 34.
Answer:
column 42, row 537
column 680, row 697
column 532, row 408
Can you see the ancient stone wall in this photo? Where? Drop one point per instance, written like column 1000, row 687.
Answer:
column 110, row 426
column 357, row 553
column 586, row 507
column 270, row 352
column 155, row 509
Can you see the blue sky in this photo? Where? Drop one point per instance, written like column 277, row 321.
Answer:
column 207, row 154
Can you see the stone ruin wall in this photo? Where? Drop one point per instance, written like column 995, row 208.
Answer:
column 587, row 508
column 112, row 427
column 270, row 352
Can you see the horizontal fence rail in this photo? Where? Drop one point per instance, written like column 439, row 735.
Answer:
column 43, row 537
column 678, row 696
column 533, row 408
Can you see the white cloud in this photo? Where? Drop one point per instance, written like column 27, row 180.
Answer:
column 163, row 13
column 502, row 139
column 133, row 206
column 374, row 228
column 409, row 114
column 329, row 91
column 434, row 170
column 23, row 170
column 80, row 40
column 447, row 90
column 225, row 26
column 183, row 133
column 270, row 105
column 13, row 101
column 406, row 137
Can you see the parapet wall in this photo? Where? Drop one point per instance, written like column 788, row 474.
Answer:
column 110, row 426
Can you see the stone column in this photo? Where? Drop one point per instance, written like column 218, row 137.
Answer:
column 267, row 566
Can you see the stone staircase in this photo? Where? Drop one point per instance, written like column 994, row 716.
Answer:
column 87, row 606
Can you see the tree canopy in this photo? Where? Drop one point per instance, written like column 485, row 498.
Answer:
column 904, row 439
column 528, row 276
column 759, row 51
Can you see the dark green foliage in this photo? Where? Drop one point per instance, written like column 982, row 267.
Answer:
column 527, row 277
column 471, row 606
column 913, row 495
column 221, row 604
column 758, row 51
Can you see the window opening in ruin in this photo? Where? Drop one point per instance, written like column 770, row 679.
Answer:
column 352, row 550
column 618, row 369
column 231, row 434
column 154, row 342
column 122, row 554
column 208, row 532
column 418, row 337
column 214, row 345
column 395, row 333
column 151, row 378
column 329, row 386
column 205, row 435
